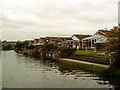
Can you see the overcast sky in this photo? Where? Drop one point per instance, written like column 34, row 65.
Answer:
column 29, row 19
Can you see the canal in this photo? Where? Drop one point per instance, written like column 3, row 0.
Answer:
column 19, row 71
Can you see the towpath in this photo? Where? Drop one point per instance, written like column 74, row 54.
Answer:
column 84, row 62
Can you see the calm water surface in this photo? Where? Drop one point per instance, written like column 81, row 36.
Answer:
column 26, row 72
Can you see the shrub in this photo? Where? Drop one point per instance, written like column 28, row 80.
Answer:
column 31, row 47
column 67, row 52
column 7, row 47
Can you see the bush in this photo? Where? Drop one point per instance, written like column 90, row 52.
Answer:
column 67, row 52
column 7, row 47
column 35, row 51
column 49, row 47
column 112, row 73
column 31, row 47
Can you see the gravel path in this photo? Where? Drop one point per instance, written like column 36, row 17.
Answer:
column 72, row 60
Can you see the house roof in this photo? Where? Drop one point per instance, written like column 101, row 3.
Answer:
column 106, row 33
column 36, row 39
column 94, row 37
column 42, row 38
column 65, row 38
column 51, row 37
column 59, row 38
column 102, row 34
column 80, row 36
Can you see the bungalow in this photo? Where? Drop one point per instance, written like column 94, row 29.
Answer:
column 51, row 39
column 74, row 42
column 77, row 40
column 60, row 41
column 48, row 40
column 57, row 40
column 99, row 37
column 65, row 42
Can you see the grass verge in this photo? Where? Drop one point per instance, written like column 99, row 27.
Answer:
column 92, row 68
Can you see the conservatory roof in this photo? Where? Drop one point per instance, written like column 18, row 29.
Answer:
column 101, row 41
column 92, row 37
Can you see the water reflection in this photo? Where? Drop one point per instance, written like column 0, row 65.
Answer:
column 65, row 71
column 32, row 72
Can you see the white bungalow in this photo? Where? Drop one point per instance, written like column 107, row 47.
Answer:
column 77, row 40
column 74, row 42
column 99, row 37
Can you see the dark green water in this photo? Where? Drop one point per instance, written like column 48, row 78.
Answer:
column 19, row 71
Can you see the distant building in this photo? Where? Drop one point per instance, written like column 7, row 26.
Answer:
column 65, row 42
column 42, row 41
column 57, row 40
column 36, row 42
column 52, row 39
column 30, row 42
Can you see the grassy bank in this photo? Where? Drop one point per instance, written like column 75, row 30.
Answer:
column 88, row 67
column 84, row 52
column 89, row 58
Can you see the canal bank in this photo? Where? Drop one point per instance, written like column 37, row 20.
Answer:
column 95, row 60
column 20, row 71
column 93, row 67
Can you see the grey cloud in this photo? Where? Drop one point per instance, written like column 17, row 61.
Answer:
column 35, row 18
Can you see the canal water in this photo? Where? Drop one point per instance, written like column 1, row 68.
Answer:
column 19, row 71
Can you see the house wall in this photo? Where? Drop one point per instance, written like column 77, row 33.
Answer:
column 76, row 42
column 90, row 43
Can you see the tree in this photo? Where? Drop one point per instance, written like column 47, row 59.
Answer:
column 113, row 45
column 117, row 49
column 51, row 46
column 20, row 45
column 7, row 47
column 30, row 47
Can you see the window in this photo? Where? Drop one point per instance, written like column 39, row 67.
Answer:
column 92, row 43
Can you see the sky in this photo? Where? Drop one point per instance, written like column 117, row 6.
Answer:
column 29, row 19
column 119, row 14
